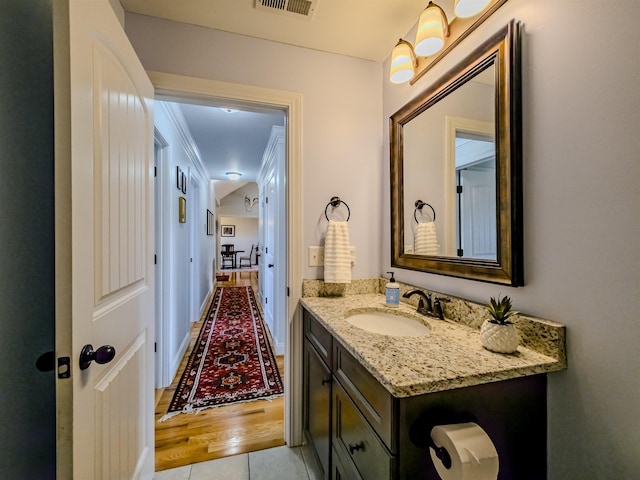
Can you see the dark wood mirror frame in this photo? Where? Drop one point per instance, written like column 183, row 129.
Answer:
column 503, row 51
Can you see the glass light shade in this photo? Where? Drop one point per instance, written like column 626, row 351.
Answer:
column 469, row 8
column 233, row 175
column 430, row 35
column 402, row 63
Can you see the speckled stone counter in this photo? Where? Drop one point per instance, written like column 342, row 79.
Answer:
column 450, row 356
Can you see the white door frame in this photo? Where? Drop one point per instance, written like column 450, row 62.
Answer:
column 197, row 88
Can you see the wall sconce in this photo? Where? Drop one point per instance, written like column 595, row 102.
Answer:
column 233, row 175
column 403, row 62
column 433, row 26
column 435, row 35
column 469, row 8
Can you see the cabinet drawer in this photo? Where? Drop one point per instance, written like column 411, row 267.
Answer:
column 355, row 442
column 319, row 337
column 373, row 400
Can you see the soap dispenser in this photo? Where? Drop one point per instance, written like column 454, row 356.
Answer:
column 392, row 292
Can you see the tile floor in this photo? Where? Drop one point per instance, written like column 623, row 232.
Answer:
column 280, row 463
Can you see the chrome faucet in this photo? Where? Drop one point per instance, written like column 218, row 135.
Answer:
column 424, row 298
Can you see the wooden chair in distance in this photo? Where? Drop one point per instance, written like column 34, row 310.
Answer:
column 244, row 260
column 227, row 255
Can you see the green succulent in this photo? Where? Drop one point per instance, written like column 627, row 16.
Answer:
column 500, row 310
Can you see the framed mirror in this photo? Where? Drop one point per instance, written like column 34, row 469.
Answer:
column 456, row 169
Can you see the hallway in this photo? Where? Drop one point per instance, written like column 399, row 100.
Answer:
column 221, row 431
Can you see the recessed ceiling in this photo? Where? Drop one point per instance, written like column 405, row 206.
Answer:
column 366, row 29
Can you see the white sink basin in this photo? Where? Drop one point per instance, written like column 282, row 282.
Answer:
column 387, row 323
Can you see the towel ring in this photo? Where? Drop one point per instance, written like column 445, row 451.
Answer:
column 419, row 204
column 335, row 202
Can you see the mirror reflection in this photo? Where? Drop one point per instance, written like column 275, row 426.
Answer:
column 449, row 164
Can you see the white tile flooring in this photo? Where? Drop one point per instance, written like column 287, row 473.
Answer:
column 280, row 463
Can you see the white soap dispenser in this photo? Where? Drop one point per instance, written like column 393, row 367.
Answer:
column 392, row 292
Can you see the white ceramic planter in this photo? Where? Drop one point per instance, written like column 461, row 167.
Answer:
column 499, row 338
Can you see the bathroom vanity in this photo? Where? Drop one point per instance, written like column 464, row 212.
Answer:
column 370, row 400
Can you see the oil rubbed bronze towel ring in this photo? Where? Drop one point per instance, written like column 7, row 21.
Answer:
column 419, row 204
column 335, row 202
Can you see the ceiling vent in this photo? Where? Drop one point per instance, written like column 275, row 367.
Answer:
column 303, row 9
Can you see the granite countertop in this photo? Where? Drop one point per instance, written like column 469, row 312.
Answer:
column 451, row 356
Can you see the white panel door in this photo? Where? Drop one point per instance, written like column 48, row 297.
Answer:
column 269, row 251
column 112, row 247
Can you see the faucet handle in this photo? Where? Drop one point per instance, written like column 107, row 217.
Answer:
column 437, row 306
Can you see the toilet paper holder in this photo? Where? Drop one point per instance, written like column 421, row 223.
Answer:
column 426, row 424
column 442, row 454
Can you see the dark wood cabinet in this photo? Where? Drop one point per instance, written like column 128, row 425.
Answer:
column 359, row 431
column 317, row 392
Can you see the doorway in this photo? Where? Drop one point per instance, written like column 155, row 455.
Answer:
column 289, row 230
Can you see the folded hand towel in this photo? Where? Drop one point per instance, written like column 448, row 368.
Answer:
column 425, row 239
column 337, row 254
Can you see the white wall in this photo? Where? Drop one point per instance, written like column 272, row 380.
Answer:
column 581, row 111
column 246, row 234
column 176, row 255
column 341, row 113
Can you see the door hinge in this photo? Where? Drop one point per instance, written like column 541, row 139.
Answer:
column 266, row 200
column 155, row 171
column 155, row 259
column 287, row 291
column 155, row 347
column 459, row 189
column 460, row 252
column 266, row 300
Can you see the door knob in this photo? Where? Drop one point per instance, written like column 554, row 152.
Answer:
column 102, row 355
column 270, row 265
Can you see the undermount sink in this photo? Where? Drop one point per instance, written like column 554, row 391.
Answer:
column 388, row 323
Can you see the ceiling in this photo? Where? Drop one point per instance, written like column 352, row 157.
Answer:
column 366, row 29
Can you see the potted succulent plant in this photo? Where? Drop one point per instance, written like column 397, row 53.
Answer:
column 498, row 333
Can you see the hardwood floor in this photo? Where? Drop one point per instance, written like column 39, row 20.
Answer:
column 220, row 431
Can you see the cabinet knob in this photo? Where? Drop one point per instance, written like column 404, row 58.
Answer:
column 356, row 447
column 325, row 381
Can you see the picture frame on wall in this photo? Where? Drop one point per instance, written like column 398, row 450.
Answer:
column 210, row 223
column 182, row 210
column 228, row 231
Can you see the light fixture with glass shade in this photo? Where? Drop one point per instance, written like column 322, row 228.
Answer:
column 469, row 8
column 233, row 175
column 433, row 27
column 403, row 62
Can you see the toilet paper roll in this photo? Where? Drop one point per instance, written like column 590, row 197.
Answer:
column 473, row 455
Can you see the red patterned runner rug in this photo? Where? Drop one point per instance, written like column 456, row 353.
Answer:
column 232, row 360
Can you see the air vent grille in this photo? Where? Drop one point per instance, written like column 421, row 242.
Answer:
column 303, row 9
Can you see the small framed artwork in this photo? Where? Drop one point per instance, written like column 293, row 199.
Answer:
column 182, row 210
column 179, row 178
column 184, row 183
column 210, row 223
column 228, row 231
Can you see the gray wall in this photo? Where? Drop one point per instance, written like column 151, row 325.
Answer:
column 27, row 396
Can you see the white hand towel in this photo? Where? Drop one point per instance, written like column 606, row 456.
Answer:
column 425, row 239
column 337, row 254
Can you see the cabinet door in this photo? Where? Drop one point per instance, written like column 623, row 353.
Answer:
column 356, row 443
column 317, row 408
column 340, row 471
